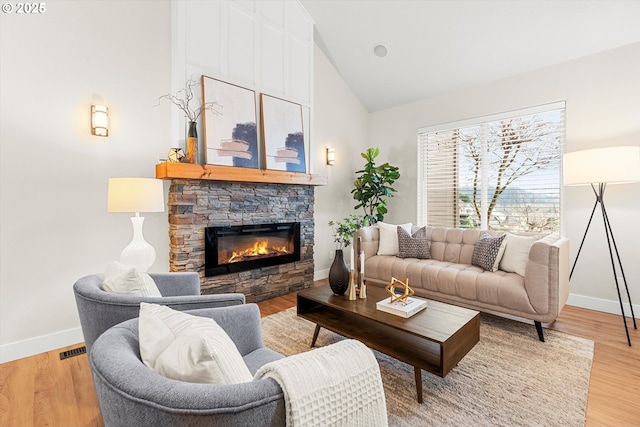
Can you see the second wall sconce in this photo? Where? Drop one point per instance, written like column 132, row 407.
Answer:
column 99, row 120
column 331, row 156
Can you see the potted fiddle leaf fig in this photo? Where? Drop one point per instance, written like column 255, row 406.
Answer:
column 343, row 232
column 373, row 186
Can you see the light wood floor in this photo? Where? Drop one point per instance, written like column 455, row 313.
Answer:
column 43, row 390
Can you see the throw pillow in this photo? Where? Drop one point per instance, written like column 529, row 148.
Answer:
column 416, row 246
column 388, row 244
column 516, row 253
column 188, row 348
column 487, row 252
column 122, row 279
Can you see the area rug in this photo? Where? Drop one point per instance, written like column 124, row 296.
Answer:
column 508, row 379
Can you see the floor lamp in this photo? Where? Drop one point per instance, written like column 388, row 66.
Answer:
column 599, row 167
column 136, row 195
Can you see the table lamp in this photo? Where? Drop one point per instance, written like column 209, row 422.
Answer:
column 599, row 167
column 136, row 195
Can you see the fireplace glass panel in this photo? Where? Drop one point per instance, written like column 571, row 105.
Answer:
column 240, row 248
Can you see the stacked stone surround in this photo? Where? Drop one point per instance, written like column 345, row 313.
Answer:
column 196, row 204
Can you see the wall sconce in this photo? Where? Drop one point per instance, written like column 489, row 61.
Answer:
column 99, row 120
column 331, row 156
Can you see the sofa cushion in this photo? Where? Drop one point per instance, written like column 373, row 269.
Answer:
column 516, row 253
column 488, row 251
column 188, row 348
column 454, row 282
column 452, row 244
column 416, row 246
column 122, row 279
column 389, row 237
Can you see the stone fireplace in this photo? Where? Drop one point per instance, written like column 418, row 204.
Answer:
column 195, row 204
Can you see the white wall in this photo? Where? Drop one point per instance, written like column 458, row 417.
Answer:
column 602, row 92
column 340, row 121
column 54, row 227
column 53, row 185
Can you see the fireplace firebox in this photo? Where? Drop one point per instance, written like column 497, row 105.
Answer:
column 247, row 247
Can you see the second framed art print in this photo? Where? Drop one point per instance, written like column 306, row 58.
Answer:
column 230, row 138
column 282, row 134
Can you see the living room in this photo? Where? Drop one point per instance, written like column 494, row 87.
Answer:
column 54, row 220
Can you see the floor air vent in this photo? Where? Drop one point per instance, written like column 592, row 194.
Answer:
column 73, row 352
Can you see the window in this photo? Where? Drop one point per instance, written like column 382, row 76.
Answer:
column 501, row 172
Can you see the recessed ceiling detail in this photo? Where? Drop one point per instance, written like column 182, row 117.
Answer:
column 380, row 50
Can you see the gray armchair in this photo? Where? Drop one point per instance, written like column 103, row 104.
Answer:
column 131, row 394
column 99, row 310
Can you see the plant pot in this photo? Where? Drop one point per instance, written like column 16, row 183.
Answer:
column 339, row 274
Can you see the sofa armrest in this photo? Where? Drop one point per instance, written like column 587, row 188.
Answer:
column 546, row 277
column 370, row 236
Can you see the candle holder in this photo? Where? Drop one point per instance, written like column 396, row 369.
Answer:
column 363, row 287
column 352, row 287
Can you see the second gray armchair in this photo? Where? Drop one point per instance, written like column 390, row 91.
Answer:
column 99, row 310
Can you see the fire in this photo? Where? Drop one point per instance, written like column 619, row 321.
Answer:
column 259, row 249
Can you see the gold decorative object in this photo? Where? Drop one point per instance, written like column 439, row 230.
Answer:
column 363, row 289
column 352, row 287
column 391, row 289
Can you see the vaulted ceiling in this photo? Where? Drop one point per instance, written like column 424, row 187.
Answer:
column 435, row 46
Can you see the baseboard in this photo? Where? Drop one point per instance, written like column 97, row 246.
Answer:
column 320, row 274
column 604, row 305
column 42, row 344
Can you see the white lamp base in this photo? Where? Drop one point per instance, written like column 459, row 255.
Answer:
column 138, row 253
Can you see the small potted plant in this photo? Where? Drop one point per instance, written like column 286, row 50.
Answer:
column 343, row 232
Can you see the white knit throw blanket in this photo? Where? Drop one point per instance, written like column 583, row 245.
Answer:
column 336, row 385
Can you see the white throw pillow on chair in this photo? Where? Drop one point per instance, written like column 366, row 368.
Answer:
column 184, row 347
column 122, row 279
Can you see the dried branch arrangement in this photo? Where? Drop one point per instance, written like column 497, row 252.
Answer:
column 183, row 97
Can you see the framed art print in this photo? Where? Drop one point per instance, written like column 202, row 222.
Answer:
column 282, row 134
column 230, row 138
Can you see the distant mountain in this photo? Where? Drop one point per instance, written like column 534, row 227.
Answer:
column 517, row 195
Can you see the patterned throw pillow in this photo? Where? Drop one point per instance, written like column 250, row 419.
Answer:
column 416, row 246
column 487, row 252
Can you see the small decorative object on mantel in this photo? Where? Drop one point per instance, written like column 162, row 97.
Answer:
column 182, row 100
column 339, row 273
column 176, row 155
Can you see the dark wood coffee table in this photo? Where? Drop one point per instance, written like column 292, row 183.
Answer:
column 434, row 340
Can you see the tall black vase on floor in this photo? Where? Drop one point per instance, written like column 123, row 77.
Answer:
column 339, row 274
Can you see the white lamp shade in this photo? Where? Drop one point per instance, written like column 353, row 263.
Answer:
column 611, row 165
column 135, row 195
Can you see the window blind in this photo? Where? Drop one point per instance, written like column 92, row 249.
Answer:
column 501, row 172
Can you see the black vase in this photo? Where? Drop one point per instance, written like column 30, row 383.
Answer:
column 339, row 274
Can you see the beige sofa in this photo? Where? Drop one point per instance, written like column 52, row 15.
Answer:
column 448, row 276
